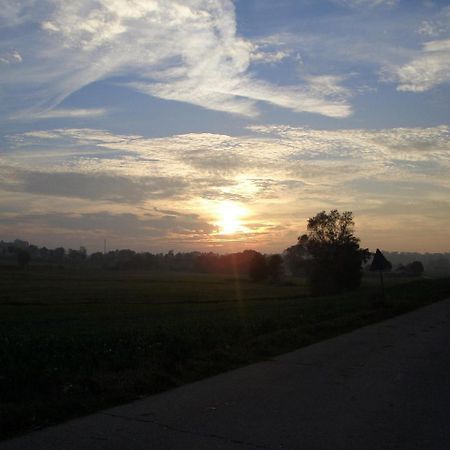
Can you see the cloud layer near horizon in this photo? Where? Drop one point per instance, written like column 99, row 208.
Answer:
column 390, row 178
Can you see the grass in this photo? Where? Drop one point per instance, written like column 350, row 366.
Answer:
column 47, row 286
column 73, row 342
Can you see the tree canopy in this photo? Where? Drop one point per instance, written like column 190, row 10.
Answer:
column 333, row 253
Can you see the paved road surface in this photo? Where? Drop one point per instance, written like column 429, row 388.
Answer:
column 385, row 386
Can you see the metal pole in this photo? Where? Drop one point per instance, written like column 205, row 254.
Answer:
column 382, row 284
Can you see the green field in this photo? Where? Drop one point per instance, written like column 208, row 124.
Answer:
column 72, row 342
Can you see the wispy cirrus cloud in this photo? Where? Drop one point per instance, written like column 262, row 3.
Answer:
column 60, row 113
column 366, row 3
column 436, row 26
column 412, row 52
column 10, row 57
column 186, row 51
column 429, row 68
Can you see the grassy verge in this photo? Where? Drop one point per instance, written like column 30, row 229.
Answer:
column 66, row 354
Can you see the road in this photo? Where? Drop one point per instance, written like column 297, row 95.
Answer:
column 385, row 386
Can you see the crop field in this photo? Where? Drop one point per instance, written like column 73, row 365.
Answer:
column 72, row 342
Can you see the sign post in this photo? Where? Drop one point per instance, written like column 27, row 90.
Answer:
column 380, row 264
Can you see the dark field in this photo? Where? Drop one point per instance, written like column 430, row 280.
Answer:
column 74, row 341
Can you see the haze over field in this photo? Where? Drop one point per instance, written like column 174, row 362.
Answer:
column 213, row 124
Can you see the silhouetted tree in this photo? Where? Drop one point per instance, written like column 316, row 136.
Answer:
column 297, row 257
column 415, row 268
column 83, row 253
column 258, row 271
column 59, row 253
column 335, row 255
column 23, row 258
column 275, row 267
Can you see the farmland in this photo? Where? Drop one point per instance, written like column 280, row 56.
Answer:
column 74, row 341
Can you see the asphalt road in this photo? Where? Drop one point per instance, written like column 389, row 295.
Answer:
column 385, row 386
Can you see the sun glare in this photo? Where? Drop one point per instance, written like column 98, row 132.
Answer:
column 230, row 215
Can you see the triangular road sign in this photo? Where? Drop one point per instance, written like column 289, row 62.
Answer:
column 379, row 262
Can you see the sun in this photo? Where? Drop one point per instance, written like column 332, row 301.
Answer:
column 230, row 215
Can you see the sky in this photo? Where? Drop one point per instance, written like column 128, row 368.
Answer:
column 220, row 125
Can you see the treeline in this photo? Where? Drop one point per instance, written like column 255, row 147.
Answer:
column 248, row 262
column 123, row 259
column 294, row 260
column 297, row 262
column 433, row 263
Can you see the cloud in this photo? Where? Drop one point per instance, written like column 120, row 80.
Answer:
column 282, row 174
column 11, row 57
column 103, row 223
column 207, row 156
column 269, row 57
column 96, row 187
column 14, row 13
column 366, row 3
column 430, row 68
column 420, row 70
column 78, row 135
column 66, row 113
column 400, row 56
column 186, row 51
column 436, row 26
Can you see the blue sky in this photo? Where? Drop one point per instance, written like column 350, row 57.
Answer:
column 152, row 123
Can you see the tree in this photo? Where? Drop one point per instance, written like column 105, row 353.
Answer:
column 258, row 270
column 415, row 268
column 296, row 257
column 336, row 258
column 59, row 253
column 23, row 258
column 275, row 267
